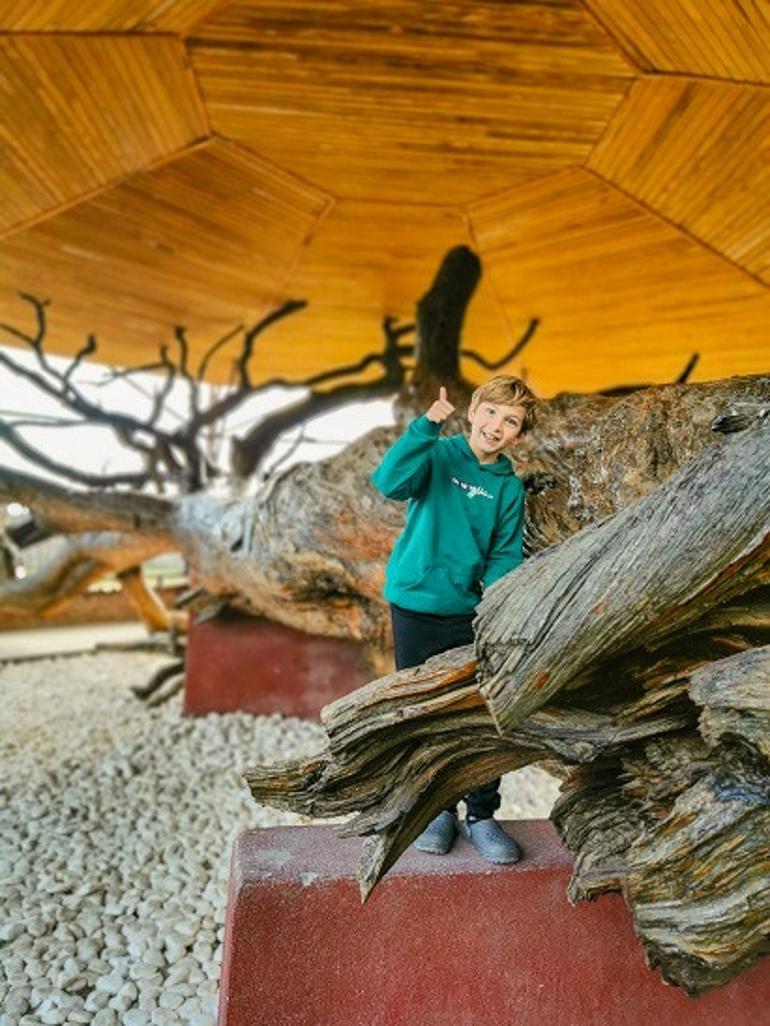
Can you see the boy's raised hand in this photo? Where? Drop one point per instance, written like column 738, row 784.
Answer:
column 441, row 409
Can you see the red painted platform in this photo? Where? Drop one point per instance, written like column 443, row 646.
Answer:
column 237, row 663
column 443, row 941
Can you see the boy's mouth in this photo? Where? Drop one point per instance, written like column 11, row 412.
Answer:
column 489, row 439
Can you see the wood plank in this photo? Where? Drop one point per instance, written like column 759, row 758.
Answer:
column 397, row 96
column 623, row 296
column 206, row 241
column 704, row 37
column 103, row 15
column 695, row 152
column 65, row 133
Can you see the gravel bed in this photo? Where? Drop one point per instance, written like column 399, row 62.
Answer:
column 116, row 827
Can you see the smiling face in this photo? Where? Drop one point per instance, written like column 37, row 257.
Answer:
column 494, row 426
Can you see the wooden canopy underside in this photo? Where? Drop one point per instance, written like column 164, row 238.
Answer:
column 196, row 162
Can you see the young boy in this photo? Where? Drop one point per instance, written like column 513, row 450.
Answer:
column 463, row 531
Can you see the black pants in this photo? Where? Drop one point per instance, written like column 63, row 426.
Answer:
column 417, row 637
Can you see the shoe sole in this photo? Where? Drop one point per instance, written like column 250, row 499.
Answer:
column 432, row 851
column 488, row 858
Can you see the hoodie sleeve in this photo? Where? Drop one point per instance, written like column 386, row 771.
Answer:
column 505, row 552
column 405, row 467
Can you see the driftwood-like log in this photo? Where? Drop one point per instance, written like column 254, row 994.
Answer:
column 592, row 657
column 700, row 539
column 79, row 561
column 682, row 825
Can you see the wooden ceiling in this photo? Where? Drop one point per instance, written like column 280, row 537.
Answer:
column 195, row 162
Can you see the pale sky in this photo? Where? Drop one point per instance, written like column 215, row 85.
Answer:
column 96, row 450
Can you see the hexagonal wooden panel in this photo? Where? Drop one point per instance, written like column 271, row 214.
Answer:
column 696, row 152
column 78, row 112
column 103, row 15
column 705, row 37
column 403, row 100
column 367, row 261
column 206, row 241
column 624, row 297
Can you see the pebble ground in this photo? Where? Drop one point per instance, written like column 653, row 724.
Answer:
column 116, row 826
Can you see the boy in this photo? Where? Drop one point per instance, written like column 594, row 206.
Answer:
column 463, row 531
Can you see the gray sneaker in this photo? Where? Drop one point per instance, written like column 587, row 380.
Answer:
column 439, row 835
column 491, row 841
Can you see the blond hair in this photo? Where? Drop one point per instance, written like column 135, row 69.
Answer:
column 509, row 391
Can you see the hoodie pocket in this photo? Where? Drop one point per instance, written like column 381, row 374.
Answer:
column 441, row 579
column 466, row 579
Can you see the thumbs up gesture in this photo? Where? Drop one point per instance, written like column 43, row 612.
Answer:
column 441, row 409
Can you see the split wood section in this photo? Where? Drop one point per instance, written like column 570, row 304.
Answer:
column 598, row 657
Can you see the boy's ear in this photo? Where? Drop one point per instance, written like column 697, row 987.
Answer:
column 471, row 411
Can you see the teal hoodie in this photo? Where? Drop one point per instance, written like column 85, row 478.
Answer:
column 464, row 521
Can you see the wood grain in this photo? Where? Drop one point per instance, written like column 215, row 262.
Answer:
column 619, row 290
column 398, row 96
column 705, row 37
column 692, row 151
column 103, row 15
column 65, row 133
column 206, row 241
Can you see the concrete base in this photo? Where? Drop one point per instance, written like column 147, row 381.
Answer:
column 239, row 663
column 443, row 941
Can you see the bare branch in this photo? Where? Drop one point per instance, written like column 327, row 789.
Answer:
column 289, row 307
column 125, row 372
column 89, row 348
column 286, row 455
column 77, row 403
column 180, row 334
column 161, row 396
column 245, row 388
column 9, row 435
column 247, row 453
column 689, row 368
column 34, row 341
column 39, row 419
column 78, row 510
column 214, row 348
column 517, row 348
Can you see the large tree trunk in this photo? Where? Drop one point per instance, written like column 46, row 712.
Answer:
column 309, row 550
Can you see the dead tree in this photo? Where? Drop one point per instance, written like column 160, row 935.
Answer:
column 634, row 658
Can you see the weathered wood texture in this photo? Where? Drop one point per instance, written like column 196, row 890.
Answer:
column 296, row 551
column 599, row 653
column 683, row 827
column 643, row 576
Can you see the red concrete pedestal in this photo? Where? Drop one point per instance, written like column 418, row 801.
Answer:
column 443, row 941
column 244, row 664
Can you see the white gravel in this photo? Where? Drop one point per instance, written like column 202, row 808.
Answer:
column 116, row 828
